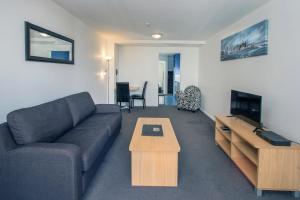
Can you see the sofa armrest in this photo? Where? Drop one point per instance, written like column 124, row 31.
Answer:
column 107, row 108
column 41, row 171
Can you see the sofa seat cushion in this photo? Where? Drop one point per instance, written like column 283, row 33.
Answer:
column 111, row 121
column 90, row 141
column 42, row 123
column 81, row 106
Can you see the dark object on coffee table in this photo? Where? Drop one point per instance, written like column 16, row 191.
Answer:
column 152, row 130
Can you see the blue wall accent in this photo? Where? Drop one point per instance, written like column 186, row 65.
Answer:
column 61, row 55
column 177, row 64
column 176, row 72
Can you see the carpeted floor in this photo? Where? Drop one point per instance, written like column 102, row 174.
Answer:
column 205, row 172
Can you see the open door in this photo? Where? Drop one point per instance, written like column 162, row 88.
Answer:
column 169, row 78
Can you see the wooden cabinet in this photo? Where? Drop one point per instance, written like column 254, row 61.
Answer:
column 266, row 166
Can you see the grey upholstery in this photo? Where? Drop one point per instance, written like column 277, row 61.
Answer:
column 6, row 140
column 41, row 171
column 108, row 122
column 88, row 175
column 43, row 123
column 81, row 106
column 107, row 108
column 90, row 141
column 64, row 164
column 190, row 99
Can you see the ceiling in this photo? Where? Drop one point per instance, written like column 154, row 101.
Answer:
column 175, row 19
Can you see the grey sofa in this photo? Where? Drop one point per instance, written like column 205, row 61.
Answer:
column 53, row 150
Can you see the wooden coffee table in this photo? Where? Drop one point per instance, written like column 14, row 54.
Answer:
column 154, row 159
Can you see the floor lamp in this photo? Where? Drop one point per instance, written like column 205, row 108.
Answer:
column 108, row 58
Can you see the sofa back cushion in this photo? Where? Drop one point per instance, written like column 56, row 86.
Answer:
column 6, row 140
column 81, row 106
column 42, row 123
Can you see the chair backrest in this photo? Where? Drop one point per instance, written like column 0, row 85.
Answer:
column 123, row 94
column 192, row 91
column 144, row 89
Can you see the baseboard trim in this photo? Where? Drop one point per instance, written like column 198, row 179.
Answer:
column 208, row 115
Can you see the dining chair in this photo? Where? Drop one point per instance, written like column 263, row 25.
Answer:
column 140, row 96
column 123, row 95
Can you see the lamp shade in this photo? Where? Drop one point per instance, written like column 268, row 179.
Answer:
column 108, row 57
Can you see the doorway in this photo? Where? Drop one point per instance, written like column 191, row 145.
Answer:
column 169, row 78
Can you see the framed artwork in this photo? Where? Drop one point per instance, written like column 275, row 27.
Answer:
column 250, row 42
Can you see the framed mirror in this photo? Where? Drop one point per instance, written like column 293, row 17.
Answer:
column 46, row 46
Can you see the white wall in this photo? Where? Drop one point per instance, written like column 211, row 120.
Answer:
column 24, row 83
column 140, row 63
column 275, row 76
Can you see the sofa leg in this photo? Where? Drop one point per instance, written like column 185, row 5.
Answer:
column 259, row 192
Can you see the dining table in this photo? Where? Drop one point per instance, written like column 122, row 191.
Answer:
column 133, row 88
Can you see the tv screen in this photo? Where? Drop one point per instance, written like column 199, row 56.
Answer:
column 246, row 106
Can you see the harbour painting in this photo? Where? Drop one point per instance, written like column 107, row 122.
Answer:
column 250, row 42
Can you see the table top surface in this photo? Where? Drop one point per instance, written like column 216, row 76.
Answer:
column 134, row 87
column 167, row 142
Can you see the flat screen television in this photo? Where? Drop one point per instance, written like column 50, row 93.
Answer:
column 247, row 107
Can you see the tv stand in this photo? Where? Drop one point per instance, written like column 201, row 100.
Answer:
column 267, row 167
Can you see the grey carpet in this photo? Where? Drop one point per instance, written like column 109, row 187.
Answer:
column 205, row 172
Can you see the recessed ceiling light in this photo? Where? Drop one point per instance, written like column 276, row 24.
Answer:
column 44, row 34
column 157, row 35
column 148, row 24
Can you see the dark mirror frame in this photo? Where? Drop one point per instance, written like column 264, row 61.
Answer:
column 28, row 57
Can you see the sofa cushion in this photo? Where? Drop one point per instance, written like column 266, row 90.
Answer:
column 111, row 121
column 90, row 141
column 6, row 139
column 42, row 123
column 81, row 106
